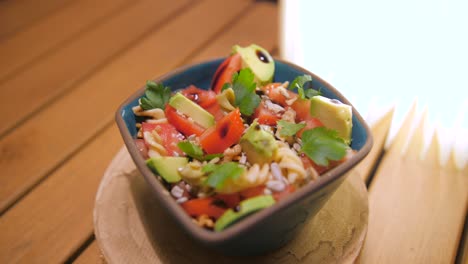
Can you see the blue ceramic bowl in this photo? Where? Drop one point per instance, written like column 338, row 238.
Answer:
column 269, row 228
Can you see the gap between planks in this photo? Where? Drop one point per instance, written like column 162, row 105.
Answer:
column 19, row 14
column 27, row 136
column 103, row 145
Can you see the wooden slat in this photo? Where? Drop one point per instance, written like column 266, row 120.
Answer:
column 18, row 14
column 50, row 77
column 92, row 255
column 417, row 207
column 52, row 228
column 379, row 131
column 68, row 185
column 259, row 26
column 52, row 135
column 20, row 50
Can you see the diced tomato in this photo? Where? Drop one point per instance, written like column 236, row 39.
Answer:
column 302, row 108
column 307, row 162
column 287, row 191
column 225, row 71
column 216, row 111
column 203, row 98
column 203, row 206
column 310, row 124
column 231, row 200
column 182, row 123
column 265, row 116
column 252, row 192
column 141, row 146
column 273, row 91
column 227, row 132
column 170, row 137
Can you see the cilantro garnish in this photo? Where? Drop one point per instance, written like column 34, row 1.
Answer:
column 322, row 145
column 288, row 128
column 302, row 91
column 156, row 96
column 219, row 173
column 195, row 151
column 244, row 86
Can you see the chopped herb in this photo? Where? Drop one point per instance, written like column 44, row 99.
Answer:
column 219, row 173
column 156, row 96
column 288, row 128
column 302, row 90
column 244, row 86
column 195, row 151
column 322, row 145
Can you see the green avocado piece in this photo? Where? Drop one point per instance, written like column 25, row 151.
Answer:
column 334, row 115
column 246, row 207
column 258, row 60
column 167, row 167
column 259, row 145
column 192, row 110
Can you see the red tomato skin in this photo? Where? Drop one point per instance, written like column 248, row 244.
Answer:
column 170, row 137
column 310, row 124
column 204, row 98
column 273, row 91
column 203, row 206
column 226, row 133
column 225, row 71
column 181, row 123
column 265, row 116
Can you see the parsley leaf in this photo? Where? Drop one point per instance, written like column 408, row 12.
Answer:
column 219, row 173
column 156, row 96
column 195, row 151
column 244, row 86
column 288, row 128
column 322, row 144
column 302, row 90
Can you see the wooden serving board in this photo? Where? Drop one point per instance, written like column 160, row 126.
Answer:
column 131, row 227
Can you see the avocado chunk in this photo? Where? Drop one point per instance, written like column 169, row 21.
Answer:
column 334, row 115
column 192, row 110
column 259, row 145
column 246, row 207
column 258, row 60
column 167, row 167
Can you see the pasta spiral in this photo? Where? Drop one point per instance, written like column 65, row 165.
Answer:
column 290, row 164
column 252, row 177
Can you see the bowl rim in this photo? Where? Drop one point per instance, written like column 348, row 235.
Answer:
column 241, row 227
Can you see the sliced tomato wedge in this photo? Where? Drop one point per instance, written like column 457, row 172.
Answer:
column 265, row 116
column 231, row 200
column 273, row 91
column 225, row 71
column 227, row 132
column 170, row 137
column 310, row 124
column 302, row 108
column 216, row 111
column 203, row 98
column 252, row 192
column 203, row 206
column 182, row 123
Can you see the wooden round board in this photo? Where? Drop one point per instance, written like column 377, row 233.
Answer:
column 131, row 227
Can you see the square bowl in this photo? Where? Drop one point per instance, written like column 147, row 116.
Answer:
column 272, row 227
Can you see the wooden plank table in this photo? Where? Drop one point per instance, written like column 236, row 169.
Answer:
column 65, row 66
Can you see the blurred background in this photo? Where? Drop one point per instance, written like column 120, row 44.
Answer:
column 388, row 53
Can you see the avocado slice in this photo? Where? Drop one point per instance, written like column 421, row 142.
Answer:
column 167, row 167
column 246, row 207
column 259, row 145
column 334, row 115
column 192, row 110
column 258, row 60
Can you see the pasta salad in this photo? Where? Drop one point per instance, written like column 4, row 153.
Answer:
column 244, row 144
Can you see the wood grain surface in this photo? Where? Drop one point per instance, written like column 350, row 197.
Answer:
column 65, row 66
